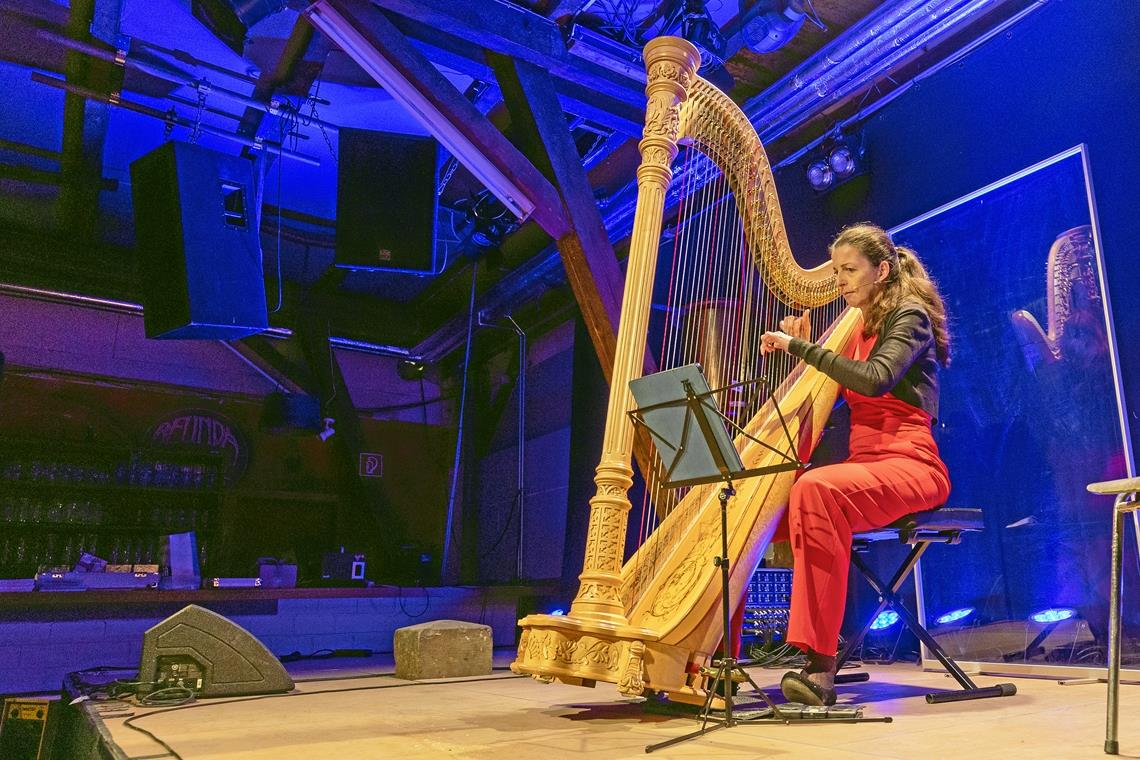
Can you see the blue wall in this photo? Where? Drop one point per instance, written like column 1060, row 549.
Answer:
column 1067, row 74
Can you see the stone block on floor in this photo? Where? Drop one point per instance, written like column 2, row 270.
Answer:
column 442, row 649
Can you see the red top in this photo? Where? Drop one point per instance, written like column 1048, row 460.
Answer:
column 884, row 425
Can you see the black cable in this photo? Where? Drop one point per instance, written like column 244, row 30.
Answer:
column 130, row 722
column 404, row 609
column 171, row 695
column 506, row 526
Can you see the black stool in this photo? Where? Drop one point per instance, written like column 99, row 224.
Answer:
column 936, row 526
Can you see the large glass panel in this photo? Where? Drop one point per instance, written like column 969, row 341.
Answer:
column 1031, row 412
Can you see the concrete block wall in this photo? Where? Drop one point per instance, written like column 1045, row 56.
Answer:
column 38, row 650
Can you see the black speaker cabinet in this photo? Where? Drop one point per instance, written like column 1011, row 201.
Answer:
column 291, row 414
column 199, row 250
column 386, row 202
column 202, row 651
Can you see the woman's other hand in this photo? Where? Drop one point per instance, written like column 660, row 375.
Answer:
column 797, row 327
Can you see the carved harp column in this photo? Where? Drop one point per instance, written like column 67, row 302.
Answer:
column 671, row 64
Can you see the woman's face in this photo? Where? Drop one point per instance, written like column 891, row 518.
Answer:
column 856, row 277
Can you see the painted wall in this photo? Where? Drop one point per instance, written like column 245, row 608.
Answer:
column 90, row 377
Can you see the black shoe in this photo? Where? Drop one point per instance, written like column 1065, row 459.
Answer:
column 797, row 687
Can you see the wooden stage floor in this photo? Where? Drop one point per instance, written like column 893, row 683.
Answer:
column 505, row 717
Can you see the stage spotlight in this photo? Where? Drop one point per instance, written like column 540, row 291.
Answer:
column 558, row 612
column 838, row 159
column 954, row 615
column 820, row 176
column 885, row 620
column 1053, row 615
column 842, row 162
column 772, row 27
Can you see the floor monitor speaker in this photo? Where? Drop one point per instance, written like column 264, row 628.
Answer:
column 202, row 651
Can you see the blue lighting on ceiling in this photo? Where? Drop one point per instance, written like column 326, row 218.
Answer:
column 954, row 615
column 885, row 620
column 1053, row 615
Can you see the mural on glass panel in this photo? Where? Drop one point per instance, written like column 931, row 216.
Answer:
column 1031, row 414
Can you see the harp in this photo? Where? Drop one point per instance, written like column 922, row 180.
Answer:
column 1071, row 262
column 651, row 623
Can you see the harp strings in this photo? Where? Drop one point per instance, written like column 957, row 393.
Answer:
column 716, row 308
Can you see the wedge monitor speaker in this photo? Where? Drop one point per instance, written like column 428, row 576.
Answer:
column 204, row 652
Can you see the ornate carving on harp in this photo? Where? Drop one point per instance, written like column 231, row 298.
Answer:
column 651, row 622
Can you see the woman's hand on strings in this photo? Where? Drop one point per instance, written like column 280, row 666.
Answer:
column 797, row 327
column 790, row 327
column 774, row 340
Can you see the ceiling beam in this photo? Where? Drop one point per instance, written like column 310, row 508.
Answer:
column 85, row 122
column 259, row 351
column 508, row 29
column 556, row 9
column 468, row 58
column 539, row 124
column 382, row 50
column 296, row 47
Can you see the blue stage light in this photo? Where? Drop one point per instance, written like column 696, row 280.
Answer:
column 885, row 620
column 954, row 615
column 1053, row 615
column 558, row 611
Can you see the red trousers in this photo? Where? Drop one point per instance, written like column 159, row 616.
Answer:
column 893, row 469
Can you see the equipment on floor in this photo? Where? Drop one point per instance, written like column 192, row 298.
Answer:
column 203, row 652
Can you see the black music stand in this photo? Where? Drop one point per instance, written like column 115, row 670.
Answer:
column 681, row 415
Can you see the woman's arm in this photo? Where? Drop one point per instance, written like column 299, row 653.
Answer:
column 906, row 336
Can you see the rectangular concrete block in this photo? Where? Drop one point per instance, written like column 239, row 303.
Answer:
column 442, row 649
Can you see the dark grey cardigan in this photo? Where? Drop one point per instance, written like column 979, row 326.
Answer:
column 903, row 361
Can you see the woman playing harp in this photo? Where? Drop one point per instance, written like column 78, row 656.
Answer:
column 652, row 622
column 889, row 377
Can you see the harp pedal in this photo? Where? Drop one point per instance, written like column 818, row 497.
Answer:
column 710, row 672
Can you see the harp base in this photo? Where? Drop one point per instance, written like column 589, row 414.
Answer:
column 581, row 653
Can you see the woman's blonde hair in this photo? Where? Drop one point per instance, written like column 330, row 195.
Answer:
column 906, row 280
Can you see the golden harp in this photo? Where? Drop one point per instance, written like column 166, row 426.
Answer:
column 650, row 623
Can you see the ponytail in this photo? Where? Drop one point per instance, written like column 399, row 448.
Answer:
column 908, row 281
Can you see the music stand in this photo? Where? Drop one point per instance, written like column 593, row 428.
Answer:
column 681, row 415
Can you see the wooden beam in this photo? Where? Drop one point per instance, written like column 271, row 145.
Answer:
column 591, row 266
column 85, row 122
column 364, row 517
column 508, row 29
column 428, row 84
column 263, row 354
column 469, row 58
column 296, row 48
column 556, row 9
column 537, row 120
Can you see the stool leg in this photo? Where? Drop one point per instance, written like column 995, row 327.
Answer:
column 1111, row 746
